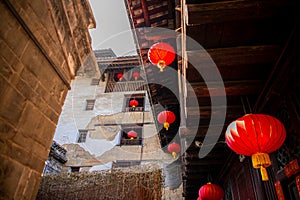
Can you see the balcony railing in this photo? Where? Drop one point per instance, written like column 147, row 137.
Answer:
column 125, row 86
column 131, row 142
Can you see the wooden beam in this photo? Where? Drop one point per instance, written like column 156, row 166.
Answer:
column 160, row 34
column 145, row 11
column 205, row 111
column 217, row 12
column 199, row 130
column 237, row 56
column 204, row 162
column 242, row 87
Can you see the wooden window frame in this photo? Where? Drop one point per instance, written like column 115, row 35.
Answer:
column 95, row 81
column 82, row 134
column 124, row 140
column 139, row 97
column 90, row 104
column 75, row 169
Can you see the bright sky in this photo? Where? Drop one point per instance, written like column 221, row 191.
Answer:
column 112, row 27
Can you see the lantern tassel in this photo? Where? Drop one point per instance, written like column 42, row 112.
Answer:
column 161, row 65
column 166, row 125
column 264, row 173
column 261, row 160
column 133, row 107
column 174, row 154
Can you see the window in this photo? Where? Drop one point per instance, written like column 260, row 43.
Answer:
column 75, row 169
column 140, row 98
column 95, row 81
column 125, row 140
column 82, row 136
column 90, row 104
column 125, row 163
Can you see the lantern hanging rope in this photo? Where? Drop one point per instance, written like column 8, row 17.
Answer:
column 256, row 135
column 166, row 118
column 211, row 191
column 161, row 54
column 174, row 149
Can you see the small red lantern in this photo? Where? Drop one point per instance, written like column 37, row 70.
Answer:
column 133, row 103
column 256, row 135
column 166, row 118
column 135, row 75
column 132, row 134
column 174, row 148
column 211, row 191
column 161, row 54
column 119, row 76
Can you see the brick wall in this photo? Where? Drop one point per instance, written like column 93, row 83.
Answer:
column 41, row 48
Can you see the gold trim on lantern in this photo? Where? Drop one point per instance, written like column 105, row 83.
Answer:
column 161, row 65
column 166, row 125
column 174, row 154
column 261, row 160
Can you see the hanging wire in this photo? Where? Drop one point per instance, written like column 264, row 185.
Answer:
column 243, row 104
column 249, row 106
column 246, row 105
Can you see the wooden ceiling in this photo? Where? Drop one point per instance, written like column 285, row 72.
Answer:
column 247, row 41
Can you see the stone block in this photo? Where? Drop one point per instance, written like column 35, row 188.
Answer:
column 5, row 69
column 7, row 131
column 31, row 80
column 42, row 92
column 30, row 119
column 9, row 56
column 52, row 114
column 10, row 99
column 10, row 173
column 31, row 190
column 24, row 88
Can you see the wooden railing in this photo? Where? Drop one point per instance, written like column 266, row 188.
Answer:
column 125, row 86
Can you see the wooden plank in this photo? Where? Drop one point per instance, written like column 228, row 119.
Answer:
column 240, row 88
column 145, row 11
column 217, row 12
column 236, row 56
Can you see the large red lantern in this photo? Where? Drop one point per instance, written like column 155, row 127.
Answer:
column 166, row 118
column 161, row 54
column 136, row 75
column 133, row 103
column 256, row 135
column 132, row 134
column 211, row 191
column 174, row 149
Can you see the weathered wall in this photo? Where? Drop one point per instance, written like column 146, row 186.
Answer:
column 101, row 145
column 41, row 48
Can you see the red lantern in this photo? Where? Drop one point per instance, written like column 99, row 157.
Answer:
column 133, row 103
column 166, row 118
column 174, row 148
column 119, row 76
column 135, row 75
column 256, row 135
column 211, row 191
column 132, row 134
column 161, row 54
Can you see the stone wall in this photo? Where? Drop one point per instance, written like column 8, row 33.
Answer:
column 42, row 45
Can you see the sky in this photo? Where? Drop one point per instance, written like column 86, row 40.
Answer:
column 112, row 27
